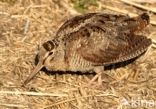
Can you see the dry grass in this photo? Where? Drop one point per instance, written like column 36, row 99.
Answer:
column 25, row 24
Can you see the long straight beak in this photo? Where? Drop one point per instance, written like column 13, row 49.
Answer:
column 34, row 73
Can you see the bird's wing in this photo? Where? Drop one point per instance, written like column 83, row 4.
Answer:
column 100, row 46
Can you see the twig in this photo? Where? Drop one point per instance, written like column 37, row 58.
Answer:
column 4, row 13
column 139, row 6
column 13, row 105
column 26, row 26
column 19, row 16
column 154, row 45
column 144, row 1
column 154, row 41
column 152, row 35
column 34, row 6
column 33, row 93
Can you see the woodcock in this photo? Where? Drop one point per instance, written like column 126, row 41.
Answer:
column 91, row 41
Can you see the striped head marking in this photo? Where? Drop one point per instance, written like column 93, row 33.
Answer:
column 46, row 53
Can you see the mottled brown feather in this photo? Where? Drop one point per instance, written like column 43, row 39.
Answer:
column 108, row 38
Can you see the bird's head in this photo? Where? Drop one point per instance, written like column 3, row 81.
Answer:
column 45, row 56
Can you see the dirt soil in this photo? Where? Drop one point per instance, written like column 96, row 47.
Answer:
column 26, row 24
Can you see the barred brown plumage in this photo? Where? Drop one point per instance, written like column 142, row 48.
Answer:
column 90, row 41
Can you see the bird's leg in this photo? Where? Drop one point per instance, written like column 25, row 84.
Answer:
column 98, row 71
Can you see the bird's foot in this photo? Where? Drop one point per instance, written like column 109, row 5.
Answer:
column 93, row 80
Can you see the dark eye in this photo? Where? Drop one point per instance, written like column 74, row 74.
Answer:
column 50, row 53
column 49, row 45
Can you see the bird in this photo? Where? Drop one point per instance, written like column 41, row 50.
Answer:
column 89, row 42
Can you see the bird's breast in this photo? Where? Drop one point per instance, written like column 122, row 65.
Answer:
column 78, row 63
